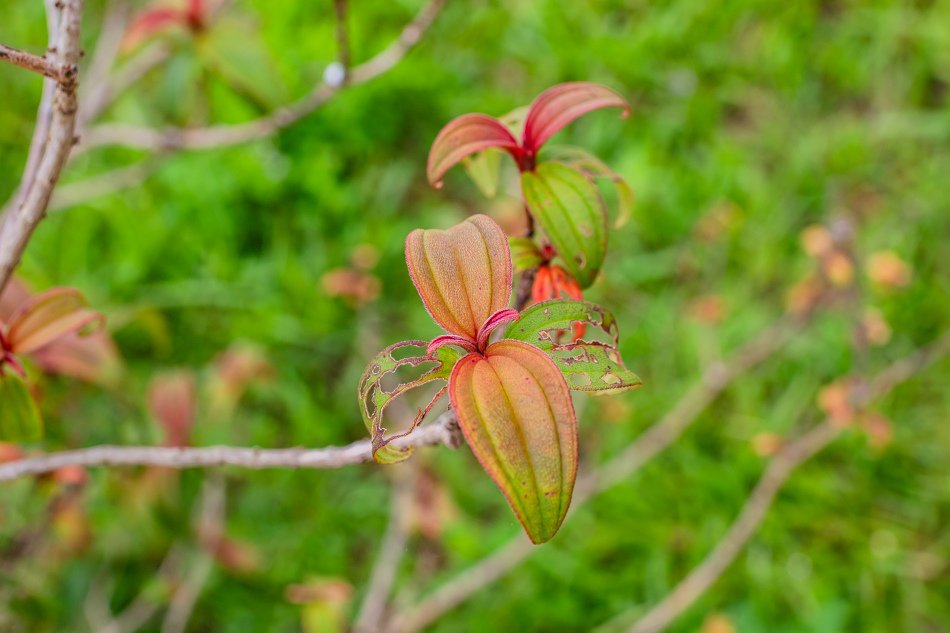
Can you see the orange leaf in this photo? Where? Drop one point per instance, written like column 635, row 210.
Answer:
column 515, row 410
column 48, row 316
column 462, row 274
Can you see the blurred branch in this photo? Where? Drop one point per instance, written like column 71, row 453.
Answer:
column 443, row 431
column 48, row 67
column 74, row 193
column 763, row 495
column 342, row 35
column 232, row 134
column 210, row 526
column 51, row 144
column 140, row 610
column 391, row 552
column 711, row 383
column 104, row 92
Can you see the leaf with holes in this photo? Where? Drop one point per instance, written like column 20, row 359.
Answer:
column 464, row 136
column 47, row 317
column 569, row 208
column 594, row 168
column 375, row 396
column 591, row 366
column 19, row 418
column 515, row 411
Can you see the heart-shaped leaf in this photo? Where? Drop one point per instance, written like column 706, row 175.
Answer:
column 560, row 105
column 19, row 418
column 463, row 274
column 585, row 162
column 375, row 396
column 591, row 366
column 464, row 136
column 515, row 411
column 568, row 206
column 48, row 316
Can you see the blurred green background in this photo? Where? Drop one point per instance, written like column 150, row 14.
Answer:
column 752, row 120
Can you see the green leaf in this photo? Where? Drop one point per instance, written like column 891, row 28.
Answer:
column 233, row 48
column 590, row 366
column 19, row 419
column 593, row 167
column 524, row 254
column 375, row 396
column 568, row 207
column 484, row 168
column 515, row 411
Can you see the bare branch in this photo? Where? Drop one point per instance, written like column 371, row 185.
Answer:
column 20, row 222
column 42, row 65
column 210, row 524
column 751, row 516
column 763, row 495
column 224, row 135
column 391, row 551
column 443, row 431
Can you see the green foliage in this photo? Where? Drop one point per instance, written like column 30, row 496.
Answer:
column 19, row 419
column 569, row 209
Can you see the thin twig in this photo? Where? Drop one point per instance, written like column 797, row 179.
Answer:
column 443, row 431
column 712, row 382
column 763, row 495
column 391, row 551
column 210, row 525
column 42, row 65
column 224, row 135
column 342, row 35
column 19, row 224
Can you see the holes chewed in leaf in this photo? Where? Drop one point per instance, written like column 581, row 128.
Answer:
column 589, row 365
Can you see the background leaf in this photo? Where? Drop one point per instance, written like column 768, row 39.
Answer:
column 591, row 366
column 48, row 316
column 484, row 168
column 569, row 208
column 19, row 418
column 234, row 50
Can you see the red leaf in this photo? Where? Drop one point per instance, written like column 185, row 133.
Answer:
column 560, row 105
column 150, row 22
column 464, row 136
column 515, row 410
column 47, row 317
column 172, row 402
column 92, row 358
